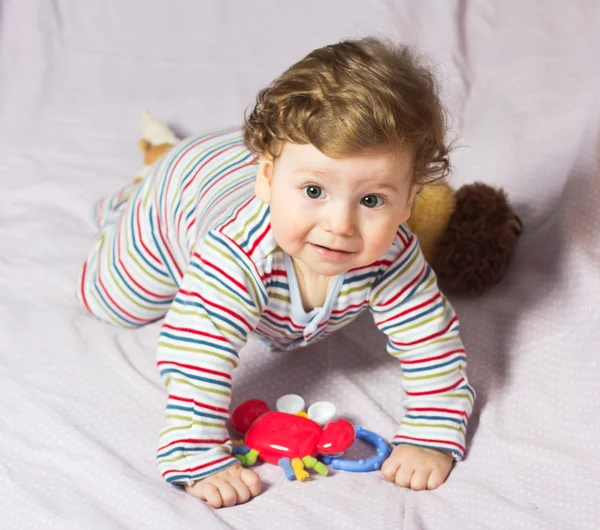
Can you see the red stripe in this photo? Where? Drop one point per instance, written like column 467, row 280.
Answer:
column 196, row 368
column 353, row 306
column 248, row 201
column 221, row 177
column 82, row 290
column 179, row 159
column 195, row 332
column 124, row 269
column 282, row 318
column 426, row 440
column 166, row 245
column 401, row 235
column 190, row 470
column 222, row 273
column 260, row 238
column 212, row 304
column 139, row 234
column 202, row 405
column 437, row 391
column 415, row 280
column 194, row 441
column 425, row 339
column 117, row 306
column 436, row 358
column 406, row 312
column 385, row 262
column 437, row 409
column 214, row 204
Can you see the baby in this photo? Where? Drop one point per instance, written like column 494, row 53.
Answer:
column 289, row 229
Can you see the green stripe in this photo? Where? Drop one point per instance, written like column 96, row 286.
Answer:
column 432, row 376
column 235, row 299
column 414, row 326
column 434, row 426
column 222, row 330
column 394, row 278
column 198, row 350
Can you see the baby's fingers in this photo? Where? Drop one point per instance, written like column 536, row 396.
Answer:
column 252, row 481
column 206, row 492
column 436, row 479
column 420, row 479
column 229, row 494
column 390, row 468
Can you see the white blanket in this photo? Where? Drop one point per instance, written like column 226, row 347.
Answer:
column 82, row 402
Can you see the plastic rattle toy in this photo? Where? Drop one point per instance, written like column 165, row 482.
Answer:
column 295, row 440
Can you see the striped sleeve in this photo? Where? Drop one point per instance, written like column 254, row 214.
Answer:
column 423, row 334
column 219, row 303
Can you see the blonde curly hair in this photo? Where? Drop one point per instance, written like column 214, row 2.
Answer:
column 354, row 97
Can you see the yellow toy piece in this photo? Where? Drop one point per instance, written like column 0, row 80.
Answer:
column 299, row 471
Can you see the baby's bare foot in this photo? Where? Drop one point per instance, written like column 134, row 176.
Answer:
column 234, row 485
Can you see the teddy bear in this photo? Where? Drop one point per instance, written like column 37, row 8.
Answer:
column 467, row 235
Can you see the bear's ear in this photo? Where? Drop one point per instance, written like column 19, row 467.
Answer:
column 157, row 138
column 155, row 132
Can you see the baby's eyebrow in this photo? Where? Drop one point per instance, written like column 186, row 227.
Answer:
column 311, row 171
column 384, row 186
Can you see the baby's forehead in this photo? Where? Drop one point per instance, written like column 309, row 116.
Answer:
column 381, row 162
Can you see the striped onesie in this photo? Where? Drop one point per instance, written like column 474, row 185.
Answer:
column 192, row 242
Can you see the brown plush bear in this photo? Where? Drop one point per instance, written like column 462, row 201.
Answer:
column 467, row 236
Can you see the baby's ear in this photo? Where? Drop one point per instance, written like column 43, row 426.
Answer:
column 412, row 193
column 264, row 177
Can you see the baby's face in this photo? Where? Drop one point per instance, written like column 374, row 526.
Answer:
column 336, row 214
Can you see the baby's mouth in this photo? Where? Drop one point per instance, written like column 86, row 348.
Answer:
column 332, row 249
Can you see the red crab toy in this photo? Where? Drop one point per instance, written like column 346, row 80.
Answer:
column 290, row 440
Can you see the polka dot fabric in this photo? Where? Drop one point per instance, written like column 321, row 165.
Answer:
column 82, row 402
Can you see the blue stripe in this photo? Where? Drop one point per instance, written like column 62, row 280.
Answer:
column 196, row 412
column 132, row 240
column 111, row 309
column 240, row 260
column 417, row 316
column 194, row 377
column 237, row 293
column 159, row 249
column 217, row 316
column 257, row 227
column 275, row 323
column 437, row 418
column 434, row 366
column 210, row 344
column 391, row 271
column 198, row 476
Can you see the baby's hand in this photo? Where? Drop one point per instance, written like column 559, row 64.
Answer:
column 233, row 485
column 417, row 468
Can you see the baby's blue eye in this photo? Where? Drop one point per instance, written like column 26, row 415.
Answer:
column 313, row 192
column 372, row 201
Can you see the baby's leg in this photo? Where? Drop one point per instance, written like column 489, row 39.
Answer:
column 130, row 276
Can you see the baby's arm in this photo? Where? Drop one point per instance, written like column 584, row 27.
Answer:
column 423, row 334
column 219, row 302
